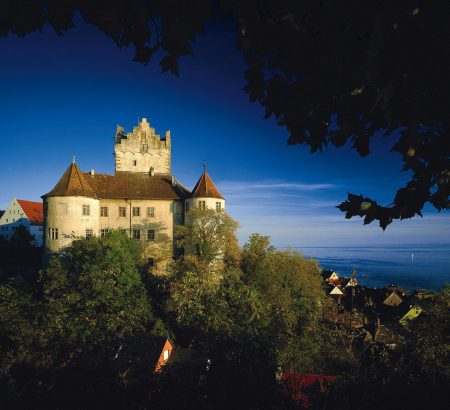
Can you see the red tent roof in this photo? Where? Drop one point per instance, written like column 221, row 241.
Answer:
column 205, row 188
column 72, row 183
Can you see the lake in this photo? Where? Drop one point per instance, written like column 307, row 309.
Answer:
column 412, row 267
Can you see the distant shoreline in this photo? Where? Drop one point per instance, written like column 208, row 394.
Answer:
column 423, row 266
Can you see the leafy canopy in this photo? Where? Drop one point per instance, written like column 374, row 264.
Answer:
column 208, row 233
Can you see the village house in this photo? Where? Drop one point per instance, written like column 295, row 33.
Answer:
column 26, row 213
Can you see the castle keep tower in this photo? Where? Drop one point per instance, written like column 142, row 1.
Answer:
column 142, row 150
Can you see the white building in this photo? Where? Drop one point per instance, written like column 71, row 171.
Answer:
column 26, row 213
column 141, row 197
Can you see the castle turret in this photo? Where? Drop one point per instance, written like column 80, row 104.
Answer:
column 142, row 150
column 71, row 210
column 205, row 194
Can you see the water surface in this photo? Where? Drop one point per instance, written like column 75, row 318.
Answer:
column 412, row 267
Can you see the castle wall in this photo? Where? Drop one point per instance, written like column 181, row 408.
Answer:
column 66, row 215
column 209, row 202
column 166, row 215
column 163, row 214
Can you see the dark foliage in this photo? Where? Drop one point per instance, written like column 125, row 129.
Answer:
column 19, row 251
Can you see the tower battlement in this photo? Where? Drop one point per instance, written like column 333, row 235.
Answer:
column 142, row 150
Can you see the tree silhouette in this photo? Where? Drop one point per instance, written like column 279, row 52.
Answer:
column 332, row 72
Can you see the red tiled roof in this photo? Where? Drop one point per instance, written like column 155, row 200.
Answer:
column 72, row 183
column 205, row 188
column 33, row 210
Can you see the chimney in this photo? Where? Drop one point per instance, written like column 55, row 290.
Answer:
column 92, row 172
column 173, row 181
column 152, row 171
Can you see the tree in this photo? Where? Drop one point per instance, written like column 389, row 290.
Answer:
column 331, row 73
column 64, row 338
column 93, row 292
column 20, row 251
column 290, row 288
column 209, row 234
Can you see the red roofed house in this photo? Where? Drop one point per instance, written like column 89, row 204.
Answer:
column 300, row 386
column 139, row 198
column 22, row 212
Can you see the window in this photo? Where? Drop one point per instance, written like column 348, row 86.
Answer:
column 89, row 233
column 166, row 354
column 136, row 211
column 53, row 233
column 122, row 211
column 186, row 207
column 144, row 147
column 151, row 212
column 218, row 206
column 202, row 204
column 137, row 234
column 103, row 232
column 134, row 162
column 151, row 262
column 86, row 210
column 150, row 235
column 103, row 211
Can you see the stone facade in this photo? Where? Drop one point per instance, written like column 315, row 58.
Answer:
column 142, row 198
column 142, row 150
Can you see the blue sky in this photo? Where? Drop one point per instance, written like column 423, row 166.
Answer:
column 65, row 95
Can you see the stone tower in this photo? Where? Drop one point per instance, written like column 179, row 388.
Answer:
column 142, row 150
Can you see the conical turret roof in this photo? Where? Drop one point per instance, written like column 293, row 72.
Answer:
column 72, row 183
column 205, row 188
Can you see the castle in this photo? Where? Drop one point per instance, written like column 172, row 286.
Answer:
column 142, row 198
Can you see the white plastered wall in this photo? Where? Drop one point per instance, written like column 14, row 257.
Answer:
column 66, row 215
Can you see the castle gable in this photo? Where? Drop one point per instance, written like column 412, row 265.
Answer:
column 142, row 150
